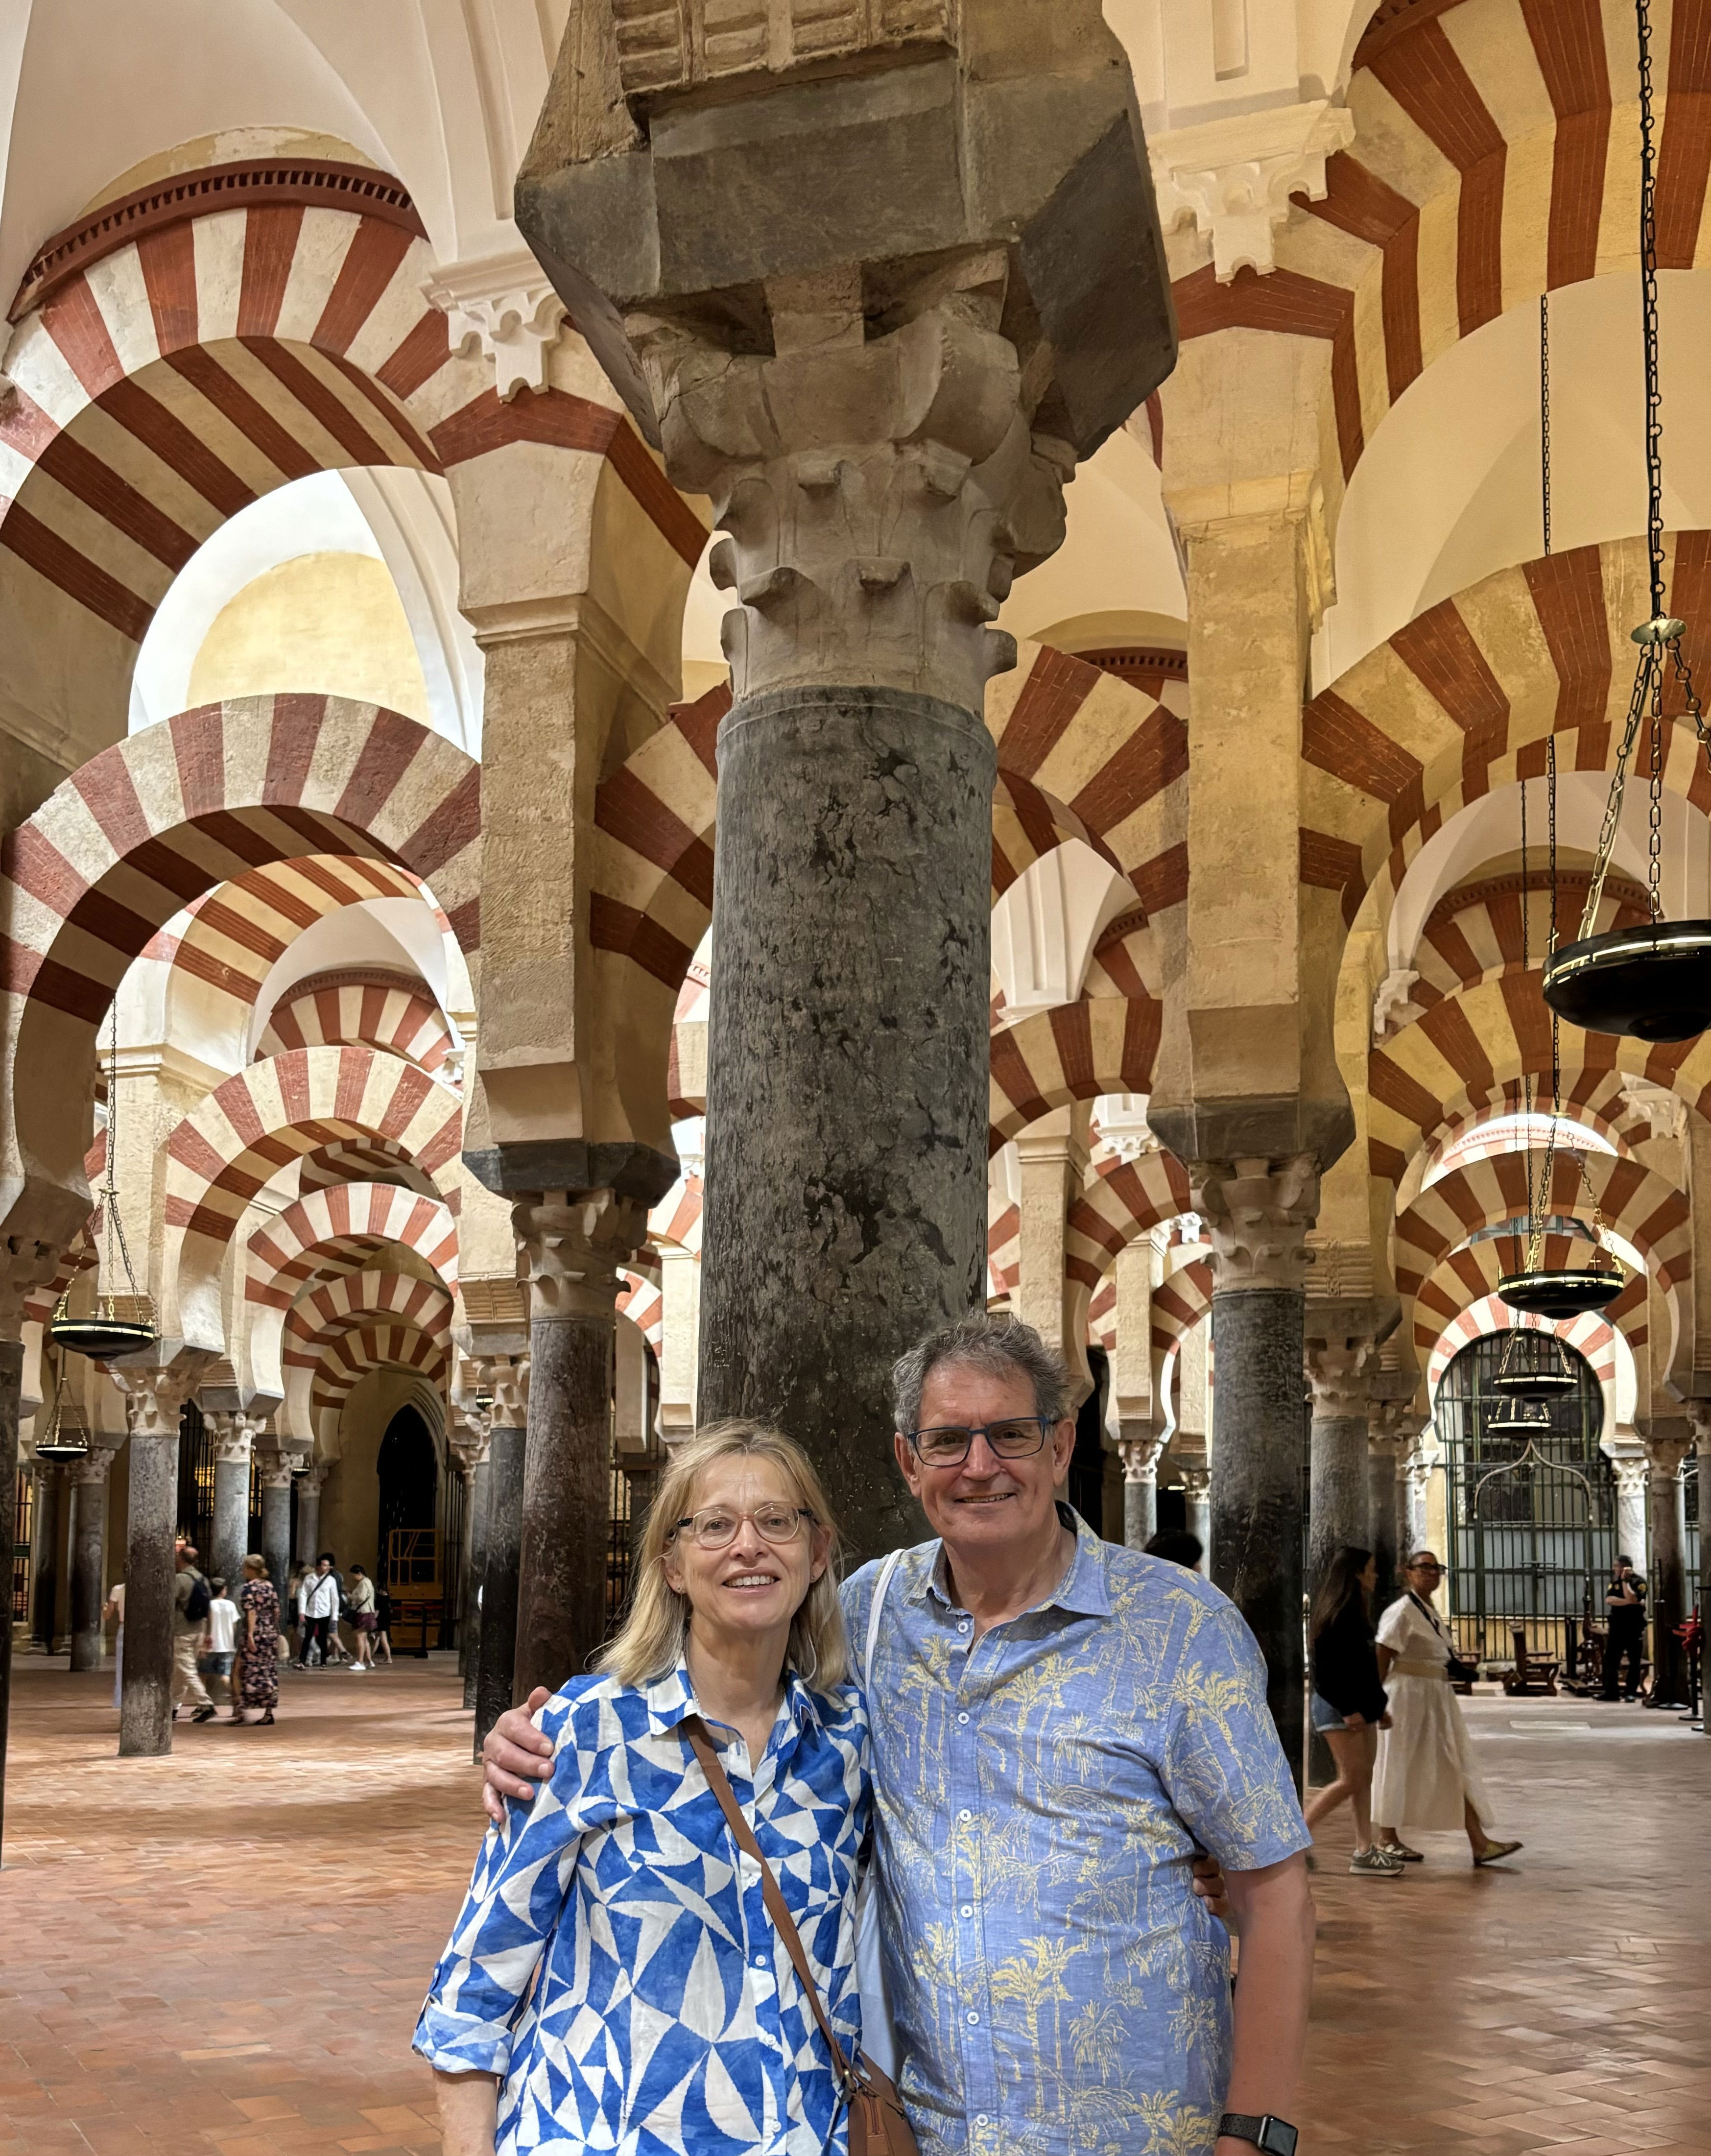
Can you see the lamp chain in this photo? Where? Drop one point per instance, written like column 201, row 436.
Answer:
column 1545, row 417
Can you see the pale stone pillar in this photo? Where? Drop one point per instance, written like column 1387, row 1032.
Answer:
column 679, row 1339
column 1630, row 1468
column 88, row 1546
column 310, row 1485
column 234, row 1440
column 1666, row 1445
column 575, row 1242
column 1052, row 1154
column 277, row 1470
column 882, row 468
column 506, row 1377
column 633, row 1444
column 154, row 1394
column 1139, row 1448
column 1258, row 1213
column 1340, row 1501
column 1196, row 1491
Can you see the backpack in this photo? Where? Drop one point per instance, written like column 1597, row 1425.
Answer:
column 196, row 1609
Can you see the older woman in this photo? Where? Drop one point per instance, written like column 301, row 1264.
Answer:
column 1425, row 1777
column 614, row 1979
column 256, row 1681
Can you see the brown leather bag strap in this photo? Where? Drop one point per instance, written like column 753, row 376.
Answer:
column 776, row 1906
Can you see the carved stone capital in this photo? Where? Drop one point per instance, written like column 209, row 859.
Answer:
column 878, row 496
column 154, row 1393
column 468, row 1432
column 92, row 1471
column 278, row 1470
column 1337, row 1371
column 1197, row 1481
column 1631, row 1470
column 506, row 1377
column 1235, row 177
column 234, row 1437
column 1666, row 1449
column 1392, row 1427
column 25, row 1265
column 505, row 309
column 1258, row 1213
column 1665, row 1111
column 1139, row 1446
column 576, row 1242
column 312, row 1479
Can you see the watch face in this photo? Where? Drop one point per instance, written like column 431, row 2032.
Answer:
column 1277, row 2138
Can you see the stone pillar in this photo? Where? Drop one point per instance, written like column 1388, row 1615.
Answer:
column 277, row 1471
column 679, row 1339
column 1196, row 1491
column 1258, row 1213
column 1630, row 1536
column 1386, row 1442
column 89, row 1545
column 310, row 1485
column 1412, row 1487
column 1667, row 1446
column 48, row 1535
column 1139, row 1448
column 234, row 1436
column 1053, row 1157
column 476, row 1503
column 23, row 1265
column 885, row 444
column 466, row 1442
column 506, row 1377
column 153, row 1395
column 1339, row 1506
column 575, row 1242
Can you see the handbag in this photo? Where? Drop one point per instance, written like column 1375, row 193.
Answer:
column 878, row 2124
column 879, row 2041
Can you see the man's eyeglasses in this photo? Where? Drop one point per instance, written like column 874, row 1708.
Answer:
column 714, row 1528
column 946, row 1444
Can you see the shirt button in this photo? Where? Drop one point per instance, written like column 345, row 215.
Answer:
column 973, row 2017
column 760, row 1961
column 968, row 1908
column 965, row 1814
column 962, row 1717
column 963, row 1626
column 980, row 2119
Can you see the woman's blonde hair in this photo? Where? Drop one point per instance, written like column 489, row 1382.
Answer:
column 650, row 1643
column 256, row 1564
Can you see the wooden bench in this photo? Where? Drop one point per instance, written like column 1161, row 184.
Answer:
column 1529, row 1678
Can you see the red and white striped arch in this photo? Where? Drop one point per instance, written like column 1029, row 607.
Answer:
column 1470, row 1275
column 354, row 1300
column 158, row 820
column 1590, row 1334
column 353, row 1356
column 267, row 1115
column 677, row 1218
column 339, row 1230
column 640, row 1301
column 1101, row 1044
column 1178, row 1303
column 355, row 1006
column 1120, row 1200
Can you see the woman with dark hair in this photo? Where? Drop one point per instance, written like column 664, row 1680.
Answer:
column 1348, row 1702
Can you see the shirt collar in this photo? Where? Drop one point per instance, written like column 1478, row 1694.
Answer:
column 671, row 1701
column 1083, row 1591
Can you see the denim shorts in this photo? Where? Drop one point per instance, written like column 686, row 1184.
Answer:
column 1325, row 1716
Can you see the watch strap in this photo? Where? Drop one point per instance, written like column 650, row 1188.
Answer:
column 1276, row 2137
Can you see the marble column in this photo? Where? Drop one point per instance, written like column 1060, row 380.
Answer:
column 234, row 1438
column 1339, row 1506
column 575, row 1243
column 88, row 1546
column 1666, row 1445
column 23, row 1265
column 881, row 469
column 48, row 1535
column 1258, row 1213
column 507, row 1378
column 1630, row 1536
column 154, row 1394
column 277, row 1471
column 477, row 1502
column 467, row 1438
column 680, row 1339
column 1411, row 1486
column 1196, row 1492
column 1384, row 1443
column 310, row 1485
column 1140, row 1447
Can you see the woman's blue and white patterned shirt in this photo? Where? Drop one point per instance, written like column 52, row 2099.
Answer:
column 666, row 2017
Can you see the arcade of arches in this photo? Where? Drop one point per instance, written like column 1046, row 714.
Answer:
column 1098, row 629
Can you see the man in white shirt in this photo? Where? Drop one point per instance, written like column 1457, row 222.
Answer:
column 319, row 1600
column 222, row 1634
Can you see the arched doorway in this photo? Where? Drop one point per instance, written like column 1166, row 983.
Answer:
column 1531, row 1516
column 408, row 1471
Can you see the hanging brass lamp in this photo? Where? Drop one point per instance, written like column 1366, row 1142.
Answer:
column 62, row 1440
column 1530, row 1372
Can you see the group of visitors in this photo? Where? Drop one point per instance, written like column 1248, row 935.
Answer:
column 1383, row 1702
column 1052, row 1755
column 236, row 1644
column 321, row 1601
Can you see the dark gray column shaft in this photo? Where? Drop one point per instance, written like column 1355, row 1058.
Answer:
column 44, row 1587
column 566, row 1500
column 846, row 1182
column 231, row 1538
column 89, row 1537
column 469, row 1631
column 1140, row 1513
column 1668, row 1583
column 10, row 1386
column 1381, row 1521
column 145, row 1708
column 276, row 1536
column 1339, row 1503
column 505, row 1459
column 309, row 1516
column 1256, row 1484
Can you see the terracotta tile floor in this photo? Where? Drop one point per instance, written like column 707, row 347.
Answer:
column 225, row 1950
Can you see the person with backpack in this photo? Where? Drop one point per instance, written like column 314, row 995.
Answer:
column 320, row 1605
column 191, row 1602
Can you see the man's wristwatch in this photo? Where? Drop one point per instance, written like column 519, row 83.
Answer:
column 1275, row 2136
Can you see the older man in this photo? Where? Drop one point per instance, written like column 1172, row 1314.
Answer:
column 1059, row 1724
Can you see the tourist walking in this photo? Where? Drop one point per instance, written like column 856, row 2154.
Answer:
column 382, row 1627
column 222, row 1633
column 1058, row 1724
column 114, row 1606
column 1348, row 1702
column 359, row 1609
column 1625, row 1629
column 258, row 1683
column 318, row 1598
column 1425, row 1776
column 621, row 1880
column 190, row 1629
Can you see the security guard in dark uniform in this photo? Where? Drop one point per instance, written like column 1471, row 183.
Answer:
column 1625, row 1613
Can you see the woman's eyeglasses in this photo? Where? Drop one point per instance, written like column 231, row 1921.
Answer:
column 714, row 1528
column 946, row 1444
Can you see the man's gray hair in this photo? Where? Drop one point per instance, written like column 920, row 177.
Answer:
column 1004, row 1347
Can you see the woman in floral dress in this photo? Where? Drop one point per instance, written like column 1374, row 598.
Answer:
column 259, row 1642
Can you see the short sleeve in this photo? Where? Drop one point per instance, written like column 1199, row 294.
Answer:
column 515, row 1899
column 1393, row 1625
column 1223, row 1768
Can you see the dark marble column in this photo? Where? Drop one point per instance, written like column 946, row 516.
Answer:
column 153, row 1398
column 88, row 1543
column 508, row 1379
column 49, row 1534
column 1139, row 1446
column 234, row 1437
column 475, row 1570
column 277, row 1470
column 1340, row 1501
column 11, row 1384
column 1258, row 1212
column 846, row 1109
column 1382, row 1515
column 1666, row 1449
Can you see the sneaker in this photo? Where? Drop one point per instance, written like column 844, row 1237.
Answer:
column 1375, row 1864
column 357, row 1670
column 1400, row 1852
column 203, row 1714
column 1495, row 1851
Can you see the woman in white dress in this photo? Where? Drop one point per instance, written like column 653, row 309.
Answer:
column 1425, row 1776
